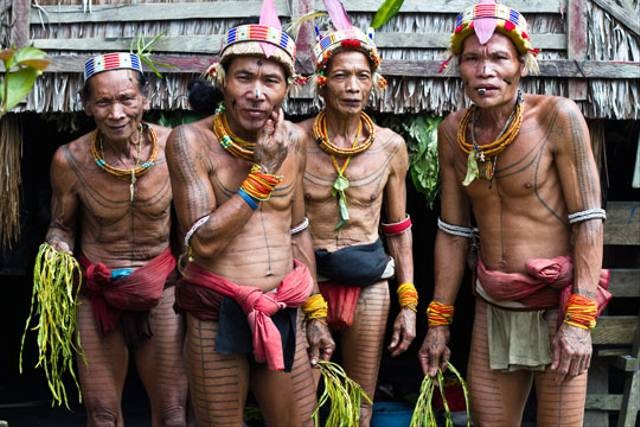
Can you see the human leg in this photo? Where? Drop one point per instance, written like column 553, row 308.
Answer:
column 497, row 398
column 362, row 342
column 274, row 391
column 103, row 371
column 218, row 383
column 559, row 404
column 304, row 386
column 161, row 366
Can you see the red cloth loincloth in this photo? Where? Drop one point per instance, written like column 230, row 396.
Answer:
column 548, row 284
column 258, row 306
column 342, row 301
column 139, row 291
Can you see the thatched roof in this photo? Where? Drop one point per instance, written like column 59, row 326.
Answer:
column 412, row 45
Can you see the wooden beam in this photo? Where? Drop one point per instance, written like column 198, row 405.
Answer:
column 604, row 402
column 623, row 223
column 614, row 330
column 626, row 17
column 577, row 45
column 20, row 23
column 64, row 14
column 625, row 282
column 211, row 43
column 557, row 68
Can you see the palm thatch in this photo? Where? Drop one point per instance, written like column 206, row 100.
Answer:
column 607, row 40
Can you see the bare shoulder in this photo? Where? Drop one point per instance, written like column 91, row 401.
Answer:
column 449, row 126
column 71, row 159
column 389, row 137
column 551, row 107
column 161, row 132
column 190, row 137
column 306, row 126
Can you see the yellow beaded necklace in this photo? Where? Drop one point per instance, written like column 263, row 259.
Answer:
column 481, row 160
column 229, row 141
column 97, row 151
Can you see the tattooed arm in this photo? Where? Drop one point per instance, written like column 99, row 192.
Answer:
column 64, row 202
column 450, row 251
column 400, row 245
column 581, row 190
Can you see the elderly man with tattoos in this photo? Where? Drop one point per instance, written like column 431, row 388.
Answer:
column 237, row 181
column 354, row 167
column 522, row 166
column 112, row 196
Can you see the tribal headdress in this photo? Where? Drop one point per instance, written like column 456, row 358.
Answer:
column 484, row 19
column 345, row 37
column 111, row 61
column 264, row 39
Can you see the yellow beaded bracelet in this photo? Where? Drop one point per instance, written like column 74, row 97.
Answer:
column 315, row 307
column 408, row 296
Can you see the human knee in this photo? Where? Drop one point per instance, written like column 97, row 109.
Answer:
column 174, row 416
column 102, row 416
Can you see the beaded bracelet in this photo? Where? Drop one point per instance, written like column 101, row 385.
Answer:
column 315, row 307
column 581, row 312
column 408, row 296
column 260, row 185
column 253, row 203
column 439, row 314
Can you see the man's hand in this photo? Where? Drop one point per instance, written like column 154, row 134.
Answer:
column 404, row 331
column 272, row 143
column 321, row 343
column 434, row 352
column 61, row 246
column 571, row 352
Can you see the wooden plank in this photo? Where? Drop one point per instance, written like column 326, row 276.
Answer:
column 614, row 330
column 153, row 12
column 20, row 23
column 623, row 223
column 626, row 17
column 212, row 43
column 631, row 401
column 625, row 282
column 597, row 383
column 604, row 402
column 558, row 68
column 242, row 9
column 577, row 45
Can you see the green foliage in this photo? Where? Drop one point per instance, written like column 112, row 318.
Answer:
column 21, row 69
column 143, row 49
column 424, row 167
column 387, row 10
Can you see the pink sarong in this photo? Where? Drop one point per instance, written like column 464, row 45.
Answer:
column 547, row 284
column 139, row 291
column 294, row 289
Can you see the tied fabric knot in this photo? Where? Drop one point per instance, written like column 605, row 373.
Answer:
column 557, row 272
column 98, row 279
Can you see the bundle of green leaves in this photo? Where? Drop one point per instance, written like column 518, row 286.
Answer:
column 21, row 69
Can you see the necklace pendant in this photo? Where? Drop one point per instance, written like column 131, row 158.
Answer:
column 486, row 170
column 132, row 186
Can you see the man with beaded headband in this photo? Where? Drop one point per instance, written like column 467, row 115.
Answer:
column 237, row 180
column 521, row 165
column 354, row 167
column 112, row 195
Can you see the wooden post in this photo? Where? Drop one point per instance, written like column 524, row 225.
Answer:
column 305, row 38
column 20, row 19
column 577, row 45
column 596, row 133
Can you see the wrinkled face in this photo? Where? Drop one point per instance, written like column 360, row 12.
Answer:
column 254, row 87
column 116, row 103
column 349, row 82
column 495, row 67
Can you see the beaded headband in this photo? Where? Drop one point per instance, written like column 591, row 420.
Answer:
column 352, row 38
column 259, row 33
column 111, row 61
column 486, row 17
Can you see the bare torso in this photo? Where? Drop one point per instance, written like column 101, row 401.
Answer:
column 368, row 174
column 114, row 229
column 521, row 214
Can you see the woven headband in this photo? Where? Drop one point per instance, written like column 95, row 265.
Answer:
column 111, row 61
column 259, row 33
column 352, row 38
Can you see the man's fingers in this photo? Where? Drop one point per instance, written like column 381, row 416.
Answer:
column 434, row 359
column 555, row 359
column 314, row 352
column 563, row 367
column 446, row 354
column 423, row 357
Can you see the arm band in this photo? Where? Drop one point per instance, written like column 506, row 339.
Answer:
column 457, row 230
column 195, row 227
column 315, row 307
column 253, row 204
column 439, row 314
column 581, row 312
column 300, row 227
column 408, row 296
column 396, row 227
column 595, row 213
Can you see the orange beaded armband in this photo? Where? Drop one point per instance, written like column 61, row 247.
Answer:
column 439, row 314
column 260, row 185
column 408, row 296
column 315, row 307
column 581, row 312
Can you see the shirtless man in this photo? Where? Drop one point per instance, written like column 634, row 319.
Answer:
column 237, row 180
column 111, row 186
column 354, row 167
column 522, row 165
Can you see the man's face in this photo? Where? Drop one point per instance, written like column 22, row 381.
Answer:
column 349, row 82
column 494, row 67
column 254, row 87
column 116, row 103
